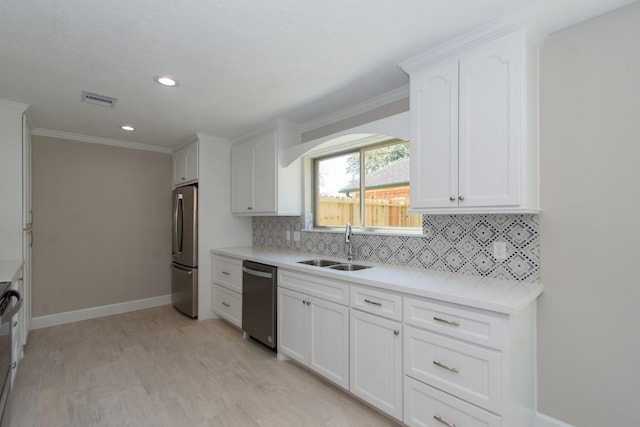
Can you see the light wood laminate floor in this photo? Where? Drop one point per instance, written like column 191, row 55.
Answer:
column 157, row 367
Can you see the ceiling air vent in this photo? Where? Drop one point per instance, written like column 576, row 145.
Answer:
column 97, row 99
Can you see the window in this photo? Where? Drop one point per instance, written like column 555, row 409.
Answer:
column 380, row 173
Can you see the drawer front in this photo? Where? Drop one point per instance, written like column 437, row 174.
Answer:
column 330, row 290
column 467, row 371
column 428, row 407
column 377, row 302
column 228, row 305
column 467, row 324
column 228, row 273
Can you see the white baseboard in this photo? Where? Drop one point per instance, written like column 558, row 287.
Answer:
column 543, row 420
column 94, row 312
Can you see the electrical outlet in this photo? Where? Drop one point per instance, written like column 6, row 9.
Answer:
column 296, row 236
column 287, row 235
column 500, row 250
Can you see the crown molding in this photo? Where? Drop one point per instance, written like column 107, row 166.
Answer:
column 354, row 110
column 99, row 140
column 14, row 105
column 523, row 17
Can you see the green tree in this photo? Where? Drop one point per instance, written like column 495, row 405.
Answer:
column 376, row 158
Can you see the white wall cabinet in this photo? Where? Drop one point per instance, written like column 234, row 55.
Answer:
column 312, row 330
column 260, row 185
column 12, row 140
column 474, row 126
column 185, row 165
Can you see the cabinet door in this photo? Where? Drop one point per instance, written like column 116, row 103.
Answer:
column 191, row 162
column 228, row 305
column 180, row 166
column 242, row 178
column 376, row 362
column 18, row 324
column 292, row 325
column 329, row 340
column 265, row 163
column 434, row 137
column 491, row 123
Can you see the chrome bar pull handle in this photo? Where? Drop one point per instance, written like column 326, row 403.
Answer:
column 368, row 301
column 257, row 273
column 448, row 322
column 443, row 366
column 440, row 420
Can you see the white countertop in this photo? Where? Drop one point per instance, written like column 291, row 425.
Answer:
column 9, row 268
column 502, row 296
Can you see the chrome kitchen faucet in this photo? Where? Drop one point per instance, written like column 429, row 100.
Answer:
column 347, row 239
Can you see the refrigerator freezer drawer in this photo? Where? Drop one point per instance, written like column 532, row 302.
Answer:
column 184, row 289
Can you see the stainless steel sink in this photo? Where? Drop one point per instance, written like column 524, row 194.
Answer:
column 319, row 262
column 349, row 267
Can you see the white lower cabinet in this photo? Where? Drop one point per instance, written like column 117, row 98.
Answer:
column 426, row 406
column 470, row 372
column 422, row 361
column 228, row 305
column 376, row 361
column 226, row 277
column 467, row 367
column 315, row 333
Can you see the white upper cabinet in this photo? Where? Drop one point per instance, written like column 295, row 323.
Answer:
column 490, row 124
column 474, row 124
column 185, row 165
column 434, row 118
column 260, row 184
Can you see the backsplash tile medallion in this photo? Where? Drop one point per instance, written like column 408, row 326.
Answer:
column 450, row 243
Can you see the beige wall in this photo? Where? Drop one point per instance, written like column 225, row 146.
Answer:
column 589, row 314
column 102, row 221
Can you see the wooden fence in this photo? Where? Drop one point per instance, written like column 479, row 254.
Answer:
column 337, row 211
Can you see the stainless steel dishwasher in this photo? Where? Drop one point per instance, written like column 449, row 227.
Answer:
column 259, row 302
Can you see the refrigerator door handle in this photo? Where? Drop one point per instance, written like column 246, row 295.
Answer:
column 186, row 270
column 177, row 225
column 181, row 223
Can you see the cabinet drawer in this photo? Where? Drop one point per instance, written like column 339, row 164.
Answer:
column 330, row 290
column 228, row 305
column 227, row 272
column 377, row 302
column 467, row 324
column 425, row 406
column 464, row 370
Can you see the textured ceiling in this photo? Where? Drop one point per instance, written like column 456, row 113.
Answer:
column 240, row 63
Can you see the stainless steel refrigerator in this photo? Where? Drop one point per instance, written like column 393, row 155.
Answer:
column 184, row 242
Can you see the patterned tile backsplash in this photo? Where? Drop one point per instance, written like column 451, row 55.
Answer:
column 455, row 243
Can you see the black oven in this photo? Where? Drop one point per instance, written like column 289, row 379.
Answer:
column 10, row 303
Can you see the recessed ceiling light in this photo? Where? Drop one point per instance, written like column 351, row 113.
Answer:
column 128, row 128
column 166, row 81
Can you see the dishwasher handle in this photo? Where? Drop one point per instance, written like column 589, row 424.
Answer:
column 257, row 273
